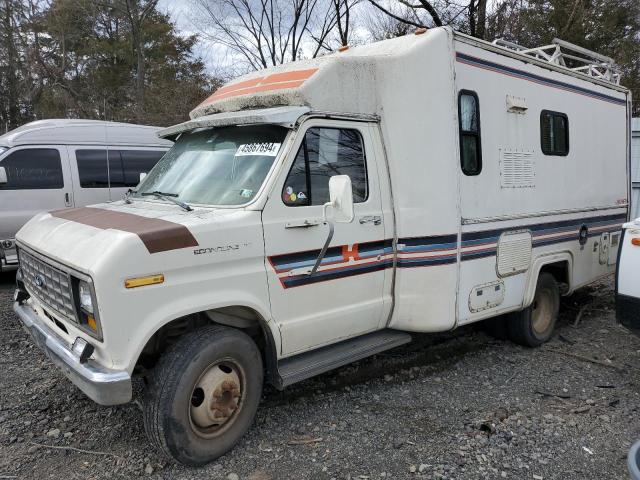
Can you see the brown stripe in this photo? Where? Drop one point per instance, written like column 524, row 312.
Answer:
column 157, row 235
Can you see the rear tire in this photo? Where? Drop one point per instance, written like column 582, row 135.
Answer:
column 534, row 325
column 203, row 394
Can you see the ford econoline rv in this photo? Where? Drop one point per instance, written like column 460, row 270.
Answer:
column 312, row 214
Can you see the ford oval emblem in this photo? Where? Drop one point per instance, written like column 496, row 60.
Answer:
column 39, row 281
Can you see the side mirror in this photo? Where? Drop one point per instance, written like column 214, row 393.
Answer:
column 341, row 198
column 3, row 176
column 341, row 202
column 142, row 175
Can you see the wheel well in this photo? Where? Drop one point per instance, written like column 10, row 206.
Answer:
column 242, row 318
column 560, row 272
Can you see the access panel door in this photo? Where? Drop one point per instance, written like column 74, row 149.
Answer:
column 344, row 297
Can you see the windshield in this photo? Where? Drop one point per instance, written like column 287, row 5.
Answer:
column 219, row 166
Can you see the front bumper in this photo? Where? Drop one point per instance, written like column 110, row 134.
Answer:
column 102, row 385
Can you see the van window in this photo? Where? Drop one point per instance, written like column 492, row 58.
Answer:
column 124, row 169
column 92, row 168
column 33, row 169
column 326, row 152
column 135, row 162
column 554, row 133
column 469, row 126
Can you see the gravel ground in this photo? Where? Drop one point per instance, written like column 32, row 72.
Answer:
column 456, row 406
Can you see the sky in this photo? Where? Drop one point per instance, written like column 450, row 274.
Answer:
column 179, row 12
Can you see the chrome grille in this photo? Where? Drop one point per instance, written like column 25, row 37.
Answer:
column 48, row 284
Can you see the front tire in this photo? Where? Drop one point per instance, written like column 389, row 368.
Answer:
column 203, row 394
column 534, row 325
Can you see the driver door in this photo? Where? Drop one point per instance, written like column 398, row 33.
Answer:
column 345, row 297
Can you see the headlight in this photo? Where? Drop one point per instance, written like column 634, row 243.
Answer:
column 86, row 310
column 86, row 301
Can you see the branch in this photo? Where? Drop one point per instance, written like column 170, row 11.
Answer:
column 400, row 19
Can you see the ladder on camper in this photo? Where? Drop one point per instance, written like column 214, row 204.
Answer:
column 570, row 56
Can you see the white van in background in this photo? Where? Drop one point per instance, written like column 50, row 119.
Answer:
column 53, row 164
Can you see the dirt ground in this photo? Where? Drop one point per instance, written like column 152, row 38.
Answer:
column 457, row 406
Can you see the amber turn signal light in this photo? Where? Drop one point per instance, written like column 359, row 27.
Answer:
column 144, row 281
column 636, row 241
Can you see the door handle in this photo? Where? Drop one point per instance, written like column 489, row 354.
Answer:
column 67, row 199
column 306, row 223
column 370, row 219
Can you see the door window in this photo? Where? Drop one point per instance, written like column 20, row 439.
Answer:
column 326, row 152
column 33, row 169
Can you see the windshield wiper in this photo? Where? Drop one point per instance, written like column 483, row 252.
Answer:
column 169, row 197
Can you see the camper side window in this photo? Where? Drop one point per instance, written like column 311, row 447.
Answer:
column 469, row 126
column 326, row 152
column 554, row 133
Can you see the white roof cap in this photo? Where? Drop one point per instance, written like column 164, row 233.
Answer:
column 82, row 132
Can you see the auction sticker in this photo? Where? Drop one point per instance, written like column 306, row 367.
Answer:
column 265, row 149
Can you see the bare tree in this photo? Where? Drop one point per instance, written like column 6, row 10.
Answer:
column 343, row 9
column 467, row 15
column 264, row 33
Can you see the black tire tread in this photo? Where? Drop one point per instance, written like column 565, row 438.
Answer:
column 165, row 375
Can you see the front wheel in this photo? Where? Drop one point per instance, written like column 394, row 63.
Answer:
column 534, row 325
column 203, row 394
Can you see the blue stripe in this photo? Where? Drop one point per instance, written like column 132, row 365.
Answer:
column 478, row 62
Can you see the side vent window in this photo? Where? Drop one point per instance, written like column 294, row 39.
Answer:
column 554, row 133
column 469, row 126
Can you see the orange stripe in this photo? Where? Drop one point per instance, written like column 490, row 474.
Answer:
column 259, row 88
column 236, row 86
column 293, row 75
column 276, row 81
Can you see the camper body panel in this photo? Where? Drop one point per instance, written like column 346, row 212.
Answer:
column 420, row 144
column 522, row 191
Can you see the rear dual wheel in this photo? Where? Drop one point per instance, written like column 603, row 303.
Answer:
column 203, row 394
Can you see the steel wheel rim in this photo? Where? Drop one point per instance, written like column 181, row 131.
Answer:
column 216, row 398
column 542, row 312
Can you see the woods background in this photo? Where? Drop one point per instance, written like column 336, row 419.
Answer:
column 151, row 62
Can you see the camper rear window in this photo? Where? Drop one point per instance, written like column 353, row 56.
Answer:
column 326, row 152
column 469, row 127
column 554, row 133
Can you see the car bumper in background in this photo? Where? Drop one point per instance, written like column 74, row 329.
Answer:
column 102, row 385
column 628, row 312
column 8, row 257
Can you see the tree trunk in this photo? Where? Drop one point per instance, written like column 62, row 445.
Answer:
column 138, row 48
column 481, row 25
column 13, row 110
